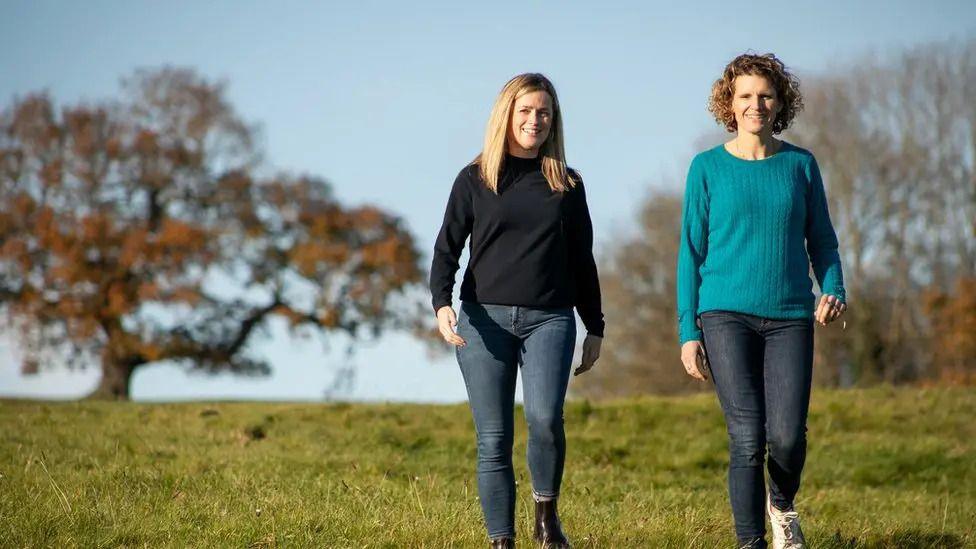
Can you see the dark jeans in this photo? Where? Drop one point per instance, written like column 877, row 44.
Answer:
column 501, row 338
column 762, row 370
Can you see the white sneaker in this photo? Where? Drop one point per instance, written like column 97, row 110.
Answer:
column 786, row 528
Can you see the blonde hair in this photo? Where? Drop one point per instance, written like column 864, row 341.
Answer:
column 492, row 158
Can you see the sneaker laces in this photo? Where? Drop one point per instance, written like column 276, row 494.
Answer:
column 789, row 520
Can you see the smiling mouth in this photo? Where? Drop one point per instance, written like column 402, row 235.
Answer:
column 530, row 132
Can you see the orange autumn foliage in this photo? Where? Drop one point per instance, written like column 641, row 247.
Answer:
column 115, row 223
column 953, row 318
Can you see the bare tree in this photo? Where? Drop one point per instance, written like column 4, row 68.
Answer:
column 637, row 279
column 896, row 139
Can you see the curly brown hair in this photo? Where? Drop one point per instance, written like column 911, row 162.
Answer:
column 767, row 65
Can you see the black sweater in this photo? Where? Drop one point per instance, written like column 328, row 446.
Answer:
column 530, row 246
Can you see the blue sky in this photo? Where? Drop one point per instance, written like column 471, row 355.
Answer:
column 388, row 100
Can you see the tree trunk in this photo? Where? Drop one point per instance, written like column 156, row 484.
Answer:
column 114, row 384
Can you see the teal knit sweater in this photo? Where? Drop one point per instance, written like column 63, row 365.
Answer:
column 749, row 232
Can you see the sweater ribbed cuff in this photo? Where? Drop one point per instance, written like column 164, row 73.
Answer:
column 691, row 335
column 688, row 329
column 837, row 292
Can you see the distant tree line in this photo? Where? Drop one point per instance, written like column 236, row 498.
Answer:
column 896, row 141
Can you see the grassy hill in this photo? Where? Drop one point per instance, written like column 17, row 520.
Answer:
column 886, row 468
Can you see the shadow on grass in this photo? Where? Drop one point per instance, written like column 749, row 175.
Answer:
column 907, row 539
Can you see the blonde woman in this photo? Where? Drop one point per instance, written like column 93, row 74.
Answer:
column 755, row 220
column 531, row 262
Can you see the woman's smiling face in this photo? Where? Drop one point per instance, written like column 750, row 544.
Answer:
column 754, row 103
column 530, row 124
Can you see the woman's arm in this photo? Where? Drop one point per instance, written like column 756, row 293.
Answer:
column 458, row 220
column 821, row 238
column 691, row 252
column 587, row 300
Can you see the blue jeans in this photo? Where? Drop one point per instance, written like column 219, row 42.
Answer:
column 762, row 370
column 501, row 338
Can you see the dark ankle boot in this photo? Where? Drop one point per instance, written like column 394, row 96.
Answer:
column 548, row 530
column 502, row 543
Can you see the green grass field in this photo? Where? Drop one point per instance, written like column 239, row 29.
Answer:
column 886, row 468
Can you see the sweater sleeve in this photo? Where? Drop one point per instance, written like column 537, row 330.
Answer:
column 587, row 299
column 458, row 218
column 821, row 238
column 691, row 252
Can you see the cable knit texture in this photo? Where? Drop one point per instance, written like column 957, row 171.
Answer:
column 750, row 231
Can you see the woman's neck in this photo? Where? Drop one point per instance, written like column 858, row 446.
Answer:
column 751, row 146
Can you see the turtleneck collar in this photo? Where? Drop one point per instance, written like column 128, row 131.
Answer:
column 522, row 165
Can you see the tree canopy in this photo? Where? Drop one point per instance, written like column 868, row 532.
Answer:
column 141, row 230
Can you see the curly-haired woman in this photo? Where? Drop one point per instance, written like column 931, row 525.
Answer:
column 755, row 218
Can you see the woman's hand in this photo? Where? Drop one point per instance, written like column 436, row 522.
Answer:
column 591, row 352
column 830, row 309
column 694, row 360
column 446, row 322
